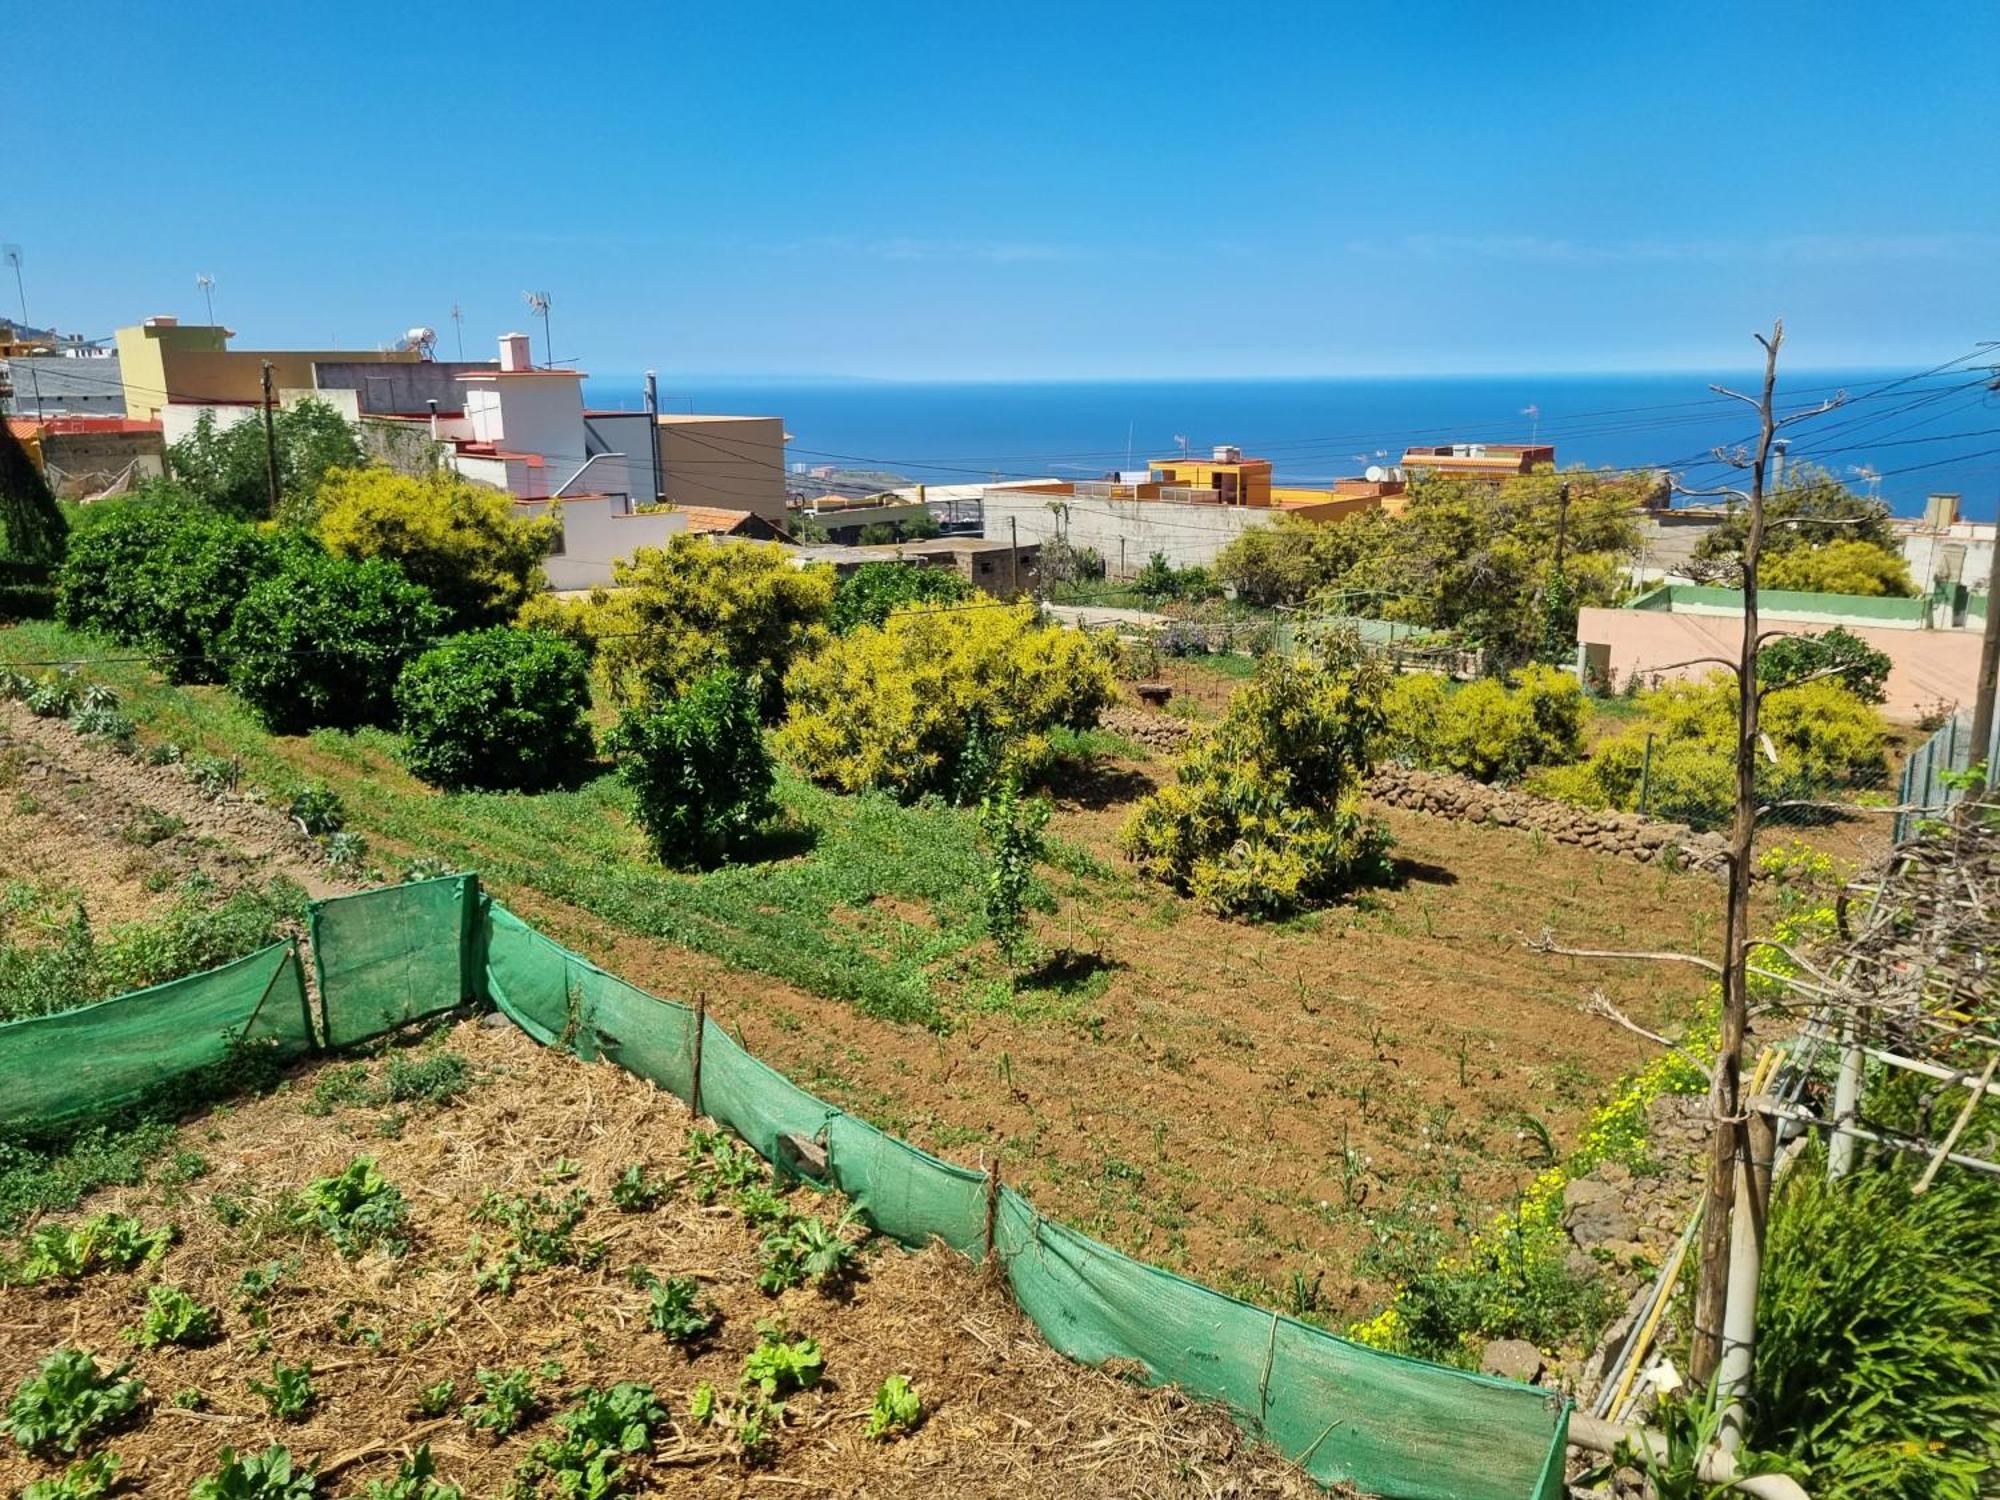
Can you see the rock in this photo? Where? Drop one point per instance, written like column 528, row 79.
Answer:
column 495, row 1021
column 1594, row 1212
column 1614, row 1172
column 1511, row 1359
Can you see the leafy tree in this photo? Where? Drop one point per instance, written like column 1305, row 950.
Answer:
column 873, row 591
column 226, row 466
column 683, row 610
column 1012, row 827
column 1839, row 567
column 698, row 768
column 1823, row 736
column 1864, row 671
column 481, row 561
column 32, row 528
column 168, row 577
column 1810, row 509
column 321, row 642
column 1478, row 558
column 1160, row 581
column 932, row 700
column 1265, row 817
column 1486, row 730
column 1292, row 559
column 497, row 708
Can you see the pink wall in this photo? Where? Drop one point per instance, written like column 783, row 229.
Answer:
column 1928, row 665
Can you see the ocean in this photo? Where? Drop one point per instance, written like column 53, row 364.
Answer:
column 1902, row 434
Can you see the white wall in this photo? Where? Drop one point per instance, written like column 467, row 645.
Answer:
column 530, row 413
column 1187, row 534
column 598, row 530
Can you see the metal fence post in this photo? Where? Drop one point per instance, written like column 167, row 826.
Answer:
column 1646, row 774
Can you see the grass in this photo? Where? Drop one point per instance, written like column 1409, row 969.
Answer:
column 809, row 912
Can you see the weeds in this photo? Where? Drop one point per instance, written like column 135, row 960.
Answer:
column 358, row 1210
column 436, row 1079
column 174, row 1317
column 716, row 1163
column 68, row 1400
column 289, row 1395
column 541, row 1232
column 270, row 1475
column 808, row 1249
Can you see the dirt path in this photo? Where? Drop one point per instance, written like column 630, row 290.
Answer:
column 94, row 795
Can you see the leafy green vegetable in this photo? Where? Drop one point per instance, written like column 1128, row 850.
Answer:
column 270, row 1475
column 897, row 1408
column 68, row 1400
column 174, row 1317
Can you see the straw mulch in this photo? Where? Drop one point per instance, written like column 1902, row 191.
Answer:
column 1003, row 1414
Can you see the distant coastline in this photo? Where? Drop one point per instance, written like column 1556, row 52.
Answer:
column 1920, row 433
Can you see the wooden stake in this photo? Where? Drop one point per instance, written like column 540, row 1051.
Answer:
column 700, row 1026
column 1957, row 1127
column 992, row 1205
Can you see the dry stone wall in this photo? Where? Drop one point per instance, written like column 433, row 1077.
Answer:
column 1449, row 796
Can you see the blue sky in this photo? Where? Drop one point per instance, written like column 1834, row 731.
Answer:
column 1026, row 189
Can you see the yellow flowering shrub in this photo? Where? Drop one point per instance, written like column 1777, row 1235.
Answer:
column 934, row 698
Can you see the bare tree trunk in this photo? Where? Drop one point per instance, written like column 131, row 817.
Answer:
column 1725, row 1146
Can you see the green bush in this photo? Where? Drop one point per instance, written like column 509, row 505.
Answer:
column 874, row 591
column 32, row 527
column 1265, row 819
column 1486, row 730
column 1161, row 582
column 698, row 769
column 1878, row 1350
column 227, row 467
column 321, row 642
column 936, row 698
column 497, row 709
column 1824, row 737
column 1864, row 670
column 169, row 579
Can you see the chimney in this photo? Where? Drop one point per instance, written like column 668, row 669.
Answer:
column 514, row 353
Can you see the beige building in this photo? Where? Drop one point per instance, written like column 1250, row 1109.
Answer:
column 163, row 361
column 731, row 463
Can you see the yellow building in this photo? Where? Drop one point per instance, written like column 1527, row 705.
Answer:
column 163, row 360
column 1224, row 478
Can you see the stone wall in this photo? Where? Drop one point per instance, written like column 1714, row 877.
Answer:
column 1645, row 839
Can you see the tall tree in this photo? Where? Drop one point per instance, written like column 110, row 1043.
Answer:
column 35, row 531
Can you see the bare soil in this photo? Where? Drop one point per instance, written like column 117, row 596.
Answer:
column 1003, row 1415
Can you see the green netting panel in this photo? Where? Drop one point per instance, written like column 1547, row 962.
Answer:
column 756, row 1102
column 101, row 1057
column 648, row 1036
column 1391, row 1426
column 391, row 956
column 527, row 976
column 906, row 1193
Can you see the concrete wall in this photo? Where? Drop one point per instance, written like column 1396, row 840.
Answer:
column 1789, row 606
column 1124, row 532
column 83, row 463
column 1961, row 553
column 626, row 433
column 401, row 389
column 1928, row 666
column 53, row 385
column 597, row 531
column 731, row 463
column 538, row 411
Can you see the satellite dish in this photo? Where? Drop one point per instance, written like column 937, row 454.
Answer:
column 1376, row 474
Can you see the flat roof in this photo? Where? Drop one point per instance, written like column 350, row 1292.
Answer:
column 673, row 418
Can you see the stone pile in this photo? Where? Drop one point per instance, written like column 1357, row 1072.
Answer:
column 1445, row 795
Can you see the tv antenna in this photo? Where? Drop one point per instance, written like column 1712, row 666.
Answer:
column 207, row 284
column 1534, row 415
column 11, row 256
column 538, row 304
column 458, row 322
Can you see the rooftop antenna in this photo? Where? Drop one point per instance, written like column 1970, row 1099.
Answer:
column 458, row 322
column 1179, row 438
column 1534, row 415
column 538, row 304
column 11, row 255
column 207, row 284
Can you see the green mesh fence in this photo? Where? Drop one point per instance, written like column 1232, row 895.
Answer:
column 1394, row 1427
column 99, row 1058
column 391, row 956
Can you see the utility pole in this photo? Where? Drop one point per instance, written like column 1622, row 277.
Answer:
column 1014, row 556
column 270, row 441
column 1989, row 669
column 653, row 428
